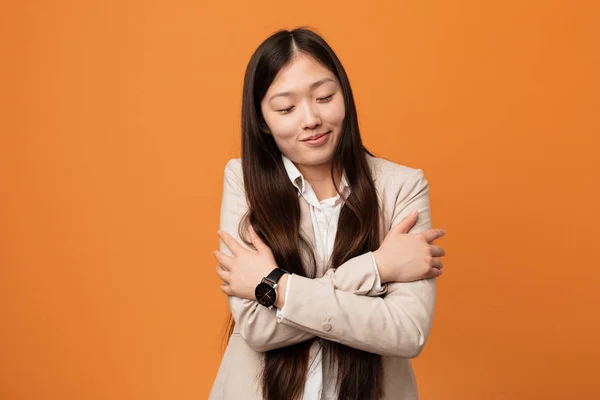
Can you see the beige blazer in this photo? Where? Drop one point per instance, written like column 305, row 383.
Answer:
column 340, row 304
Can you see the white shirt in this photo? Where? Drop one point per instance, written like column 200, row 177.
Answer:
column 324, row 215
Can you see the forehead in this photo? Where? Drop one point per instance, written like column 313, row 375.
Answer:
column 299, row 74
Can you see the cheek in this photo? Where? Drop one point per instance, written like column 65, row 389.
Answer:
column 283, row 130
column 336, row 112
column 281, row 127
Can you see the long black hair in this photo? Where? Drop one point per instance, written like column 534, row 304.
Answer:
column 274, row 213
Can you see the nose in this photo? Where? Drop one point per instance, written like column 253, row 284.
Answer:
column 312, row 119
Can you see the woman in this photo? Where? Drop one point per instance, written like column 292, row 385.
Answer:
column 323, row 307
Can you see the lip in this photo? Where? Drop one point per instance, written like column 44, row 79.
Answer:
column 319, row 141
column 315, row 137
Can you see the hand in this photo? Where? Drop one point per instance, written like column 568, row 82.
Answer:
column 406, row 257
column 245, row 269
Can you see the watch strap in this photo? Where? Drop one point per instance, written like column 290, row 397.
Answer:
column 275, row 275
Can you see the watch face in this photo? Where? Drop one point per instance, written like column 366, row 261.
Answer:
column 265, row 294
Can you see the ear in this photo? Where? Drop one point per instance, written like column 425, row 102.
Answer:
column 264, row 128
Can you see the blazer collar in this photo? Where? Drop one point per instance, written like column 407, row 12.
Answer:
column 306, row 225
column 297, row 178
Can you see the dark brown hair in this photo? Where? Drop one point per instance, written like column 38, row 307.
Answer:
column 274, row 212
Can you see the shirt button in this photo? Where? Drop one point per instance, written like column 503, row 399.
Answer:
column 326, row 326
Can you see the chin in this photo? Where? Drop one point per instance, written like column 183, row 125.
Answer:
column 314, row 159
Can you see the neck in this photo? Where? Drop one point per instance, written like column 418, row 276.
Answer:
column 319, row 177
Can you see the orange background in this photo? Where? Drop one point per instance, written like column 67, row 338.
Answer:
column 118, row 117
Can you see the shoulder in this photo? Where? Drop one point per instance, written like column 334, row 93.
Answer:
column 233, row 175
column 401, row 189
column 388, row 174
column 234, row 166
column 233, row 169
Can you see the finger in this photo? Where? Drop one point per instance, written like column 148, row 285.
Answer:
column 259, row 245
column 434, row 273
column 406, row 223
column 433, row 234
column 437, row 251
column 224, row 275
column 226, row 289
column 223, row 259
column 437, row 263
column 230, row 242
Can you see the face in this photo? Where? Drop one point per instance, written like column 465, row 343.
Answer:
column 305, row 100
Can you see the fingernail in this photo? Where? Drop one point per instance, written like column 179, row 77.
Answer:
column 219, row 233
column 414, row 212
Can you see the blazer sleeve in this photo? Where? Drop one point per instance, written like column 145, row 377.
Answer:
column 257, row 324
column 397, row 324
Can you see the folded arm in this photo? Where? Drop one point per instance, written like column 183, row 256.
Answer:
column 257, row 324
column 397, row 324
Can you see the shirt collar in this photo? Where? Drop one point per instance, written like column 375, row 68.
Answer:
column 297, row 178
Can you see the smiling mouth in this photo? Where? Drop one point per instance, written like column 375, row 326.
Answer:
column 316, row 136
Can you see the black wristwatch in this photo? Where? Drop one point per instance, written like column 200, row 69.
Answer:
column 266, row 290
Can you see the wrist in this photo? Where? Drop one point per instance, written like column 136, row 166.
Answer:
column 383, row 274
column 281, row 287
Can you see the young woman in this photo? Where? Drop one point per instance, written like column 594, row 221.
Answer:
column 327, row 254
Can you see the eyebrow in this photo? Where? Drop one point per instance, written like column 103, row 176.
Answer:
column 313, row 85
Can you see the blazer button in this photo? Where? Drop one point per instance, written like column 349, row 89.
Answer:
column 326, row 326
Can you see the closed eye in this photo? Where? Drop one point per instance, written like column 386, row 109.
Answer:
column 325, row 99
column 321, row 100
column 286, row 110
